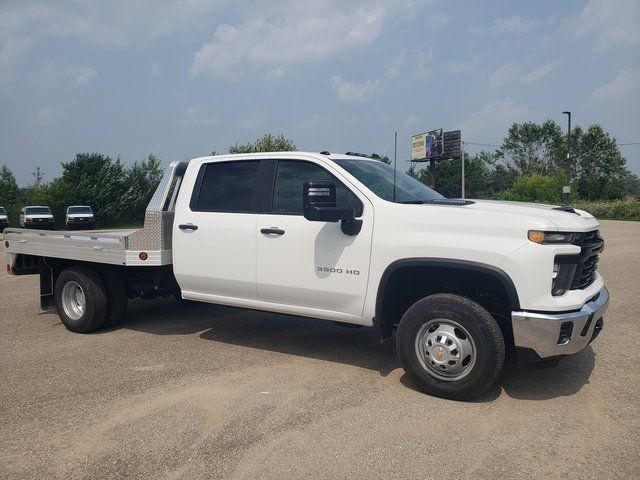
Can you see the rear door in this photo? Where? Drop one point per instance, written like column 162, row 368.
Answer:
column 311, row 267
column 214, row 238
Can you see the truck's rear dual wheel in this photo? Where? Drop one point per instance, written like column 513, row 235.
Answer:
column 450, row 346
column 81, row 299
column 86, row 300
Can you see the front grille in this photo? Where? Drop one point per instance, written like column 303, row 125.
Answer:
column 591, row 244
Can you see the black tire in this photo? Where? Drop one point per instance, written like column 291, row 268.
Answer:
column 117, row 295
column 489, row 352
column 95, row 298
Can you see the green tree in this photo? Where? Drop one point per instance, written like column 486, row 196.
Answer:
column 449, row 172
column 601, row 173
column 633, row 184
column 266, row 143
column 141, row 182
column 9, row 191
column 532, row 148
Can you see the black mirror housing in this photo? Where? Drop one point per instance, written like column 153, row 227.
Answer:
column 320, row 205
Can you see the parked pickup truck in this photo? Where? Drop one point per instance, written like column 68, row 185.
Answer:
column 79, row 217
column 37, row 217
column 335, row 238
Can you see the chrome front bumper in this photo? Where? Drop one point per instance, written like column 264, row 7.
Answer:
column 560, row 334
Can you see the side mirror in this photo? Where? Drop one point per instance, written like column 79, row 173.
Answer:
column 320, row 205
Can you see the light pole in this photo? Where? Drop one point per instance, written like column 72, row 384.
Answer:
column 567, row 189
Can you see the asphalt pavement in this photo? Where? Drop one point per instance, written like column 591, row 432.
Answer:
column 204, row 391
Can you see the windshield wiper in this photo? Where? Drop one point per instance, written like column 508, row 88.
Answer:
column 439, row 201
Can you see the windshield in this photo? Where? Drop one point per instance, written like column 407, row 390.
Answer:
column 79, row 210
column 378, row 177
column 38, row 211
column 2, row 211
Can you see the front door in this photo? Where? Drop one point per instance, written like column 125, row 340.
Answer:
column 311, row 267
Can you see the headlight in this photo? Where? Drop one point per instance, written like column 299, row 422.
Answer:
column 543, row 238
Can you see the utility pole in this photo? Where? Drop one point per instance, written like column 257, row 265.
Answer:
column 462, row 156
column 395, row 163
column 567, row 188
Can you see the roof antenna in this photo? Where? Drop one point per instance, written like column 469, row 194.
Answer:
column 395, row 163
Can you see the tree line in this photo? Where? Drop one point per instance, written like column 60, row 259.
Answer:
column 117, row 193
column 530, row 165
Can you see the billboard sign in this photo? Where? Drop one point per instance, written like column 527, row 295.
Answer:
column 452, row 144
column 427, row 146
column 436, row 145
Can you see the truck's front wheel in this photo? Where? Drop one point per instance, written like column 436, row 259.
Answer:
column 450, row 346
column 81, row 299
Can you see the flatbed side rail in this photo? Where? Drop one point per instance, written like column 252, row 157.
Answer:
column 100, row 240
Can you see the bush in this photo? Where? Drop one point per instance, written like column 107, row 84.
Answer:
column 610, row 210
column 535, row 188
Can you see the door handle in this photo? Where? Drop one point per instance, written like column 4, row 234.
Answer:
column 272, row 231
column 188, row 226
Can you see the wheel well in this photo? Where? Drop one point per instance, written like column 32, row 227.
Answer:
column 407, row 281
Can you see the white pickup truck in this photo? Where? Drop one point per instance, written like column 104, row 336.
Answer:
column 334, row 237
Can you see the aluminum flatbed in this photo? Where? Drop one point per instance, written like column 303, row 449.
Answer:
column 149, row 246
column 115, row 247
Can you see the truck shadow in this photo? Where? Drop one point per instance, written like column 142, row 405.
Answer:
column 323, row 340
column 524, row 382
column 305, row 337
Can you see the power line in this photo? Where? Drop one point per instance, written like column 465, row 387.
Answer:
column 494, row 145
column 482, row 144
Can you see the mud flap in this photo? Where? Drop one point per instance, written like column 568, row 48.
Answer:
column 47, row 282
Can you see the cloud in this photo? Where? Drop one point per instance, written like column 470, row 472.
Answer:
column 195, row 116
column 11, row 52
column 292, row 32
column 627, row 81
column 276, row 73
column 505, row 74
column 511, row 72
column 490, row 123
column 82, row 75
column 438, row 20
column 394, row 67
column 46, row 115
column 514, row 25
column 456, row 67
column 611, row 23
column 353, row 92
column 411, row 121
column 537, row 73
column 116, row 23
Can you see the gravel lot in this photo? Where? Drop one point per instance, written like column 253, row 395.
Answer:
column 203, row 391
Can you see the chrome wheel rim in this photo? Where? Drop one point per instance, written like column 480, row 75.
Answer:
column 73, row 300
column 445, row 349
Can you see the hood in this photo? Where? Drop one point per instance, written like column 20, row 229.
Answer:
column 39, row 215
column 3, row 216
column 579, row 221
column 79, row 215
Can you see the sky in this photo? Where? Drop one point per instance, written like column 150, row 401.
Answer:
column 183, row 79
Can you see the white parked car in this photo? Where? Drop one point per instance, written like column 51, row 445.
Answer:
column 36, row 216
column 79, row 217
column 4, row 219
column 335, row 238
